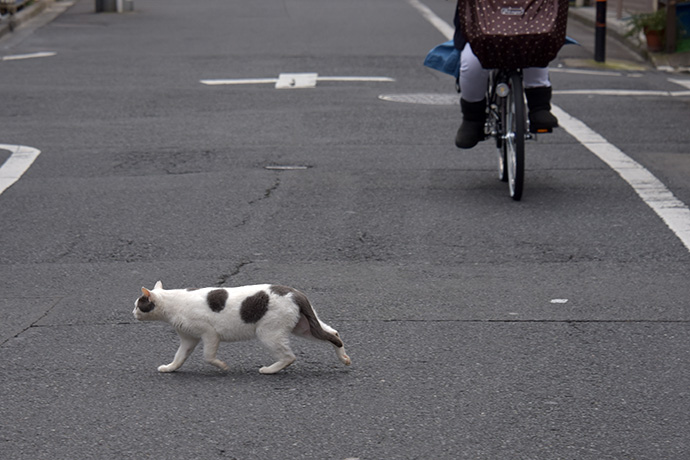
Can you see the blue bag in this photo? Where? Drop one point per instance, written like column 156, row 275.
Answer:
column 444, row 58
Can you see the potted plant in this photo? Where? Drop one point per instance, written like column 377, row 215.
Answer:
column 652, row 25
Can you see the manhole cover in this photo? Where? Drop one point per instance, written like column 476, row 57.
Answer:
column 423, row 98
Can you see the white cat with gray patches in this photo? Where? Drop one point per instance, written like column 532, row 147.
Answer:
column 268, row 312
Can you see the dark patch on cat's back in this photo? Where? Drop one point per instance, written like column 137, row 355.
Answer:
column 144, row 304
column 254, row 307
column 281, row 290
column 216, row 299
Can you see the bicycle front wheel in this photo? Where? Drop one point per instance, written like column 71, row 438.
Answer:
column 514, row 125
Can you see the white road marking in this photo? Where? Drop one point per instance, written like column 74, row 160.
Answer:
column 17, row 57
column 446, row 29
column 239, row 81
column 672, row 211
column 286, row 167
column 623, row 92
column 374, row 79
column 20, row 159
column 683, row 83
column 293, row 80
column 599, row 73
column 296, row 80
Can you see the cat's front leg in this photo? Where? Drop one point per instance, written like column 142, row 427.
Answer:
column 211, row 342
column 187, row 345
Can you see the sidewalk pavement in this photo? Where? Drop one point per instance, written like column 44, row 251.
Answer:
column 615, row 29
column 10, row 22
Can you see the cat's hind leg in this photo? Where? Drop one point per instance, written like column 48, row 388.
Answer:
column 340, row 351
column 303, row 329
column 211, row 342
column 187, row 345
column 278, row 343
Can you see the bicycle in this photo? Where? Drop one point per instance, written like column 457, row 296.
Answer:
column 508, row 124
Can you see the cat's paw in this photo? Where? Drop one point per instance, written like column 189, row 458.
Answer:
column 342, row 356
column 165, row 368
column 219, row 364
column 277, row 366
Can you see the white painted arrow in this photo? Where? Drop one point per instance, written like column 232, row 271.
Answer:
column 293, row 80
column 21, row 157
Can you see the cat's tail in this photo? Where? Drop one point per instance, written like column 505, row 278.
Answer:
column 315, row 327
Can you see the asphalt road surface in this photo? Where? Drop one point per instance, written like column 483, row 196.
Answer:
column 479, row 328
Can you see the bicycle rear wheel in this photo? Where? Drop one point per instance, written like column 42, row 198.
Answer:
column 514, row 125
column 501, row 149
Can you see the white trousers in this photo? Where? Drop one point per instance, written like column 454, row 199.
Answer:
column 474, row 79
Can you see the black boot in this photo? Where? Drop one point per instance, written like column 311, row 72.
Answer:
column 471, row 130
column 539, row 106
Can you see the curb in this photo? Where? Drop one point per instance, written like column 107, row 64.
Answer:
column 9, row 23
column 616, row 29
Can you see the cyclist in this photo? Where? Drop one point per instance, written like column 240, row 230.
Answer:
column 474, row 84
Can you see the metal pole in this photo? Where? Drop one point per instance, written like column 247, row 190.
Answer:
column 600, row 32
column 671, row 26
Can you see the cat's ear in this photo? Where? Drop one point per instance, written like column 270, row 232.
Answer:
column 146, row 292
column 159, row 285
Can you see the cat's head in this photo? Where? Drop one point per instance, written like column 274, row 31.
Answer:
column 145, row 308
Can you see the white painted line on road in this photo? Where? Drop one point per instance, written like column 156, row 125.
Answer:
column 599, row 73
column 683, row 83
column 296, row 80
column 442, row 26
column 672, row 211
column 622, row 92
column 374, row 79
column 286, row 167
column 293, row 80
column 20, row 159
column 239, row 81
column 17, row 57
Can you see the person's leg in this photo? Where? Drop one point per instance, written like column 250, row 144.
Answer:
column 473, row 85
column 538, row 94
column 474, row 79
